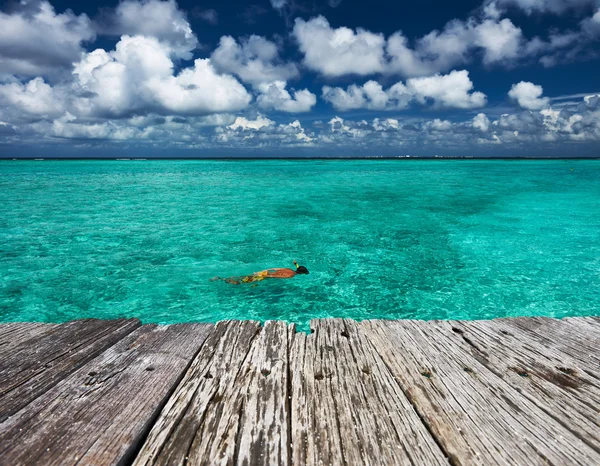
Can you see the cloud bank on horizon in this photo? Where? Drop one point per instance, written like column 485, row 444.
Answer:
column 136, row 75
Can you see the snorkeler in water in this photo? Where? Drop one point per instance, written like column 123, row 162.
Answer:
column 269, row 273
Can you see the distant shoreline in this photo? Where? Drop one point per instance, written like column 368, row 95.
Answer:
column 136, row 159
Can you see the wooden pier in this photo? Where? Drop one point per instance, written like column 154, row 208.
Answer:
column 509, row 391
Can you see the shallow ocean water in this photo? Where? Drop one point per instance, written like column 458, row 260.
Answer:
column 440, row 239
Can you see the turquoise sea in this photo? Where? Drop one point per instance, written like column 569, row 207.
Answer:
column 439, row 239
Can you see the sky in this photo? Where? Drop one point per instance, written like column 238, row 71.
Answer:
column 305, row 78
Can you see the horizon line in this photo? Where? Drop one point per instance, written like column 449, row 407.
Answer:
column 400, row 157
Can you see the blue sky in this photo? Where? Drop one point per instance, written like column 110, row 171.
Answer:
column 146, row 78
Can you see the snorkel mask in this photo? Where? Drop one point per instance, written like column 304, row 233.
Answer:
column 300, row 269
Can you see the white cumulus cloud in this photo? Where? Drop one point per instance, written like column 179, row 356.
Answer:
column 528, row 95
column 68, row 127
column 339, row 51
column 370, row 95
column 37, row 41
column 438, row 125
column 348, row 129
column 342, row 51
column 199, row 89
column 244, row 123
column 138, row 75
column 163, row 20
column 499, row 41
column 263, row 133
column 298, row 132
column 387, row 124
column 275, row 96
column 35, row 97
column 481, row 122
column 496, row 41
column 254, row 59
column 136, row 78
column 453, row 90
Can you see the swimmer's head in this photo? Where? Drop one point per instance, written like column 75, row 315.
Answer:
column 300, row 269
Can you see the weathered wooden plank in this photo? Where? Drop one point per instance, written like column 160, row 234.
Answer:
column 13, row 334
column 557, row 351
column 584, row 330
column 388, row 407
column 251, row 424
column 100, row 413
column 573, row 337
column 8, row 329
column 368, row 393
column 350, row 409
column 298, row 423
column 315, row 429
column 205, row 406
column 476, row 416
column 593, row 320
column 263, row 435
column 39, row 363
column 548, row 378
column 581, row 330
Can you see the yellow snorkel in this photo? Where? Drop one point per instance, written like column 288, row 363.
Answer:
column 300, row 269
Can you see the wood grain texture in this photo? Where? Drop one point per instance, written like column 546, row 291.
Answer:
column 507, row 391
column 100, row 413
column 38, row 363
column 475, row 414
column 346, row 406
column 263, row 434
column 549, row 379
column 199, row 423
column 553, row 360
column 578, row 338
column 316, row 435
column 13, row 334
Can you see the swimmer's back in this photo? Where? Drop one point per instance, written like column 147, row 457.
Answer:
column 279, row 273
